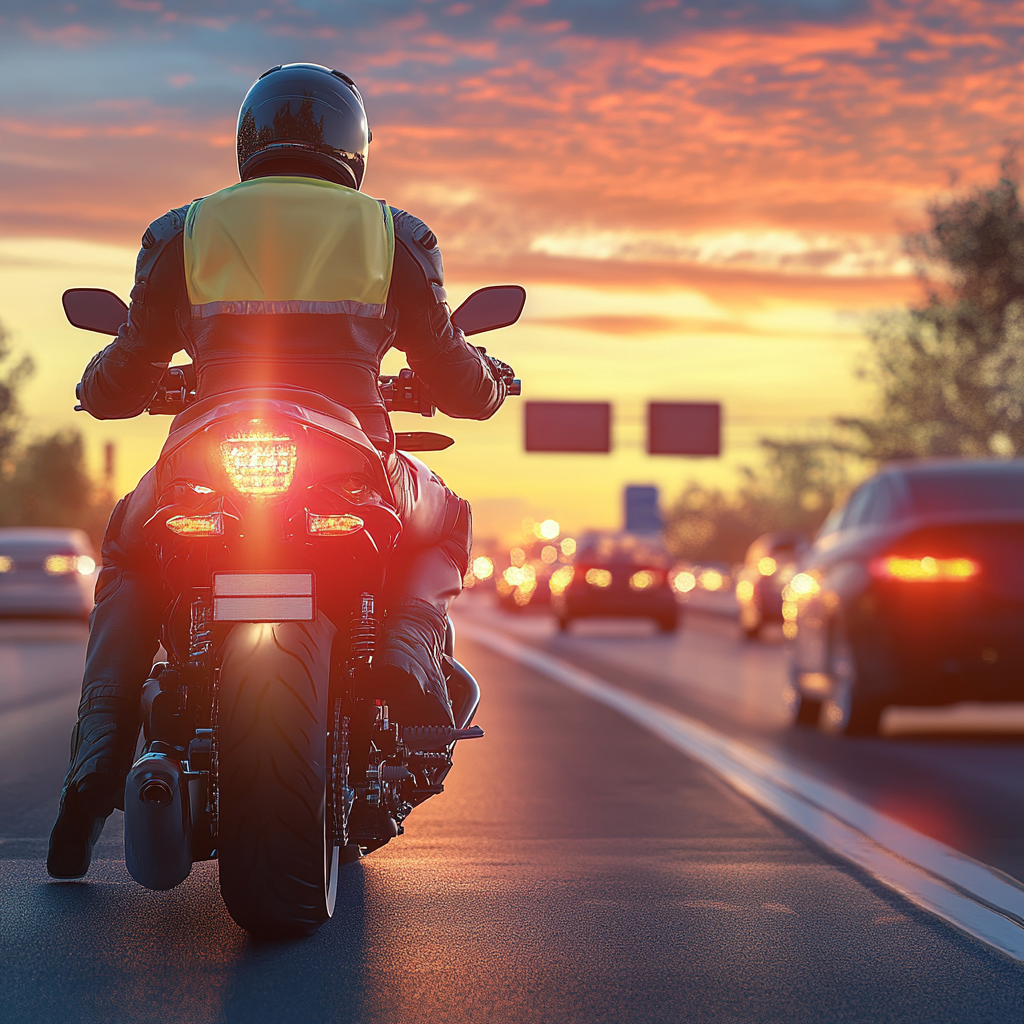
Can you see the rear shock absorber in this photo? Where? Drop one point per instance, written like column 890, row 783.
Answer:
column 363, row 635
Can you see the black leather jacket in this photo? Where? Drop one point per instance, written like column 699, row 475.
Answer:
column 121, row 379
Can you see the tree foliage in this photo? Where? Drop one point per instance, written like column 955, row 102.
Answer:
column 949, row 372
column 795, row 490
column 10, row 414
column 948, row 376
column 44, row 482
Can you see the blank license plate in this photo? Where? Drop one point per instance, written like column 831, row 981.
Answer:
column 263, row 597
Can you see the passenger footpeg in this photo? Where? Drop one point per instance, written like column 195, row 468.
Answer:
column 437, row 737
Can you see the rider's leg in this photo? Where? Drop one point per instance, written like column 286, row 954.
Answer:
column 424, row 577
column 123, row 638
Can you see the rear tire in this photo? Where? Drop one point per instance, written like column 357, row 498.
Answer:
column 849, row 711
column 278, row 863
column 806, row 711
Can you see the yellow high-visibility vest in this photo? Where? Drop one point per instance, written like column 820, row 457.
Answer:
column 288, row 245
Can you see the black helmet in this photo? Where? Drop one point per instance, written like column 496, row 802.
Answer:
column 303, row 118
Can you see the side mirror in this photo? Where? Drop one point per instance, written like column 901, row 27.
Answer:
column 487, row 309
column 94, row 309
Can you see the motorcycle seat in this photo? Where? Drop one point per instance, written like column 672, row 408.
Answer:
column 299, row 396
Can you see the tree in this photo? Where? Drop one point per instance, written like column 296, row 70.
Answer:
column 51, row 486
column 795, row 490
column 10, row 414
column 46, row 482
column 950, row 372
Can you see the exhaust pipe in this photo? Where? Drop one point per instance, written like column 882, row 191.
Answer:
column 157, row 821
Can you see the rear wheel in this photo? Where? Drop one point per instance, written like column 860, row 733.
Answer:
column 278, row 858
column 806, row 711
column 849, row 711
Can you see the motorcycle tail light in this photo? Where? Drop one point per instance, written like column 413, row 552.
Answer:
column 211, row 525
column 260, row 463
column 332, row 526
column 925, row 570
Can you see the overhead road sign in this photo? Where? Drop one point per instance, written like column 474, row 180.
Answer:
column 568, row 426
column 641, row 507
column 684, row 428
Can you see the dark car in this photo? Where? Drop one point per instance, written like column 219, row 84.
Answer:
column 912, row 594
column 47, row 572
column 767, row 568
column 615, row 575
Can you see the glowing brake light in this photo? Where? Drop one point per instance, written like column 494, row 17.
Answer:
column 643, row 579
column 332, row 526
column 259, row 463
column 211, row 525
column 60, row 565
column 925, row 570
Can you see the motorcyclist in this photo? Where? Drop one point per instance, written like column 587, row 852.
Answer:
column 291, row 278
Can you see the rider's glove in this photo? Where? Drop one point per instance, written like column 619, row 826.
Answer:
column 502, row 371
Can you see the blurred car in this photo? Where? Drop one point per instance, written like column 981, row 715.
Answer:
column 912, row 594
column 525, row 582
column 615, row 575
column 46, row 571
column 767, row 568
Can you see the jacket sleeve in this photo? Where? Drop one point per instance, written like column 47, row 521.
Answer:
column 121, row 379
column 462, row 382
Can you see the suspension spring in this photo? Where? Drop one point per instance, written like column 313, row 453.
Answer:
column 363, row 636
column 200, row 638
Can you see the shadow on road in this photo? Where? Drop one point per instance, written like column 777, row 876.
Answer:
column 110, row 951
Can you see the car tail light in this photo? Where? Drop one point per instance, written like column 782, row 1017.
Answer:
column 644, row 579
column 925, row 570
column 598, row 577
column 560, row 579
column 211, row 525
column 260, row 463
column 682, row 581
column 332, row 526
column 61, row 565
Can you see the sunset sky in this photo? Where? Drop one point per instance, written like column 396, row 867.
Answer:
column 704, row 200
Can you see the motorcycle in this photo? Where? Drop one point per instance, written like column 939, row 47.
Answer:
column 266, row 746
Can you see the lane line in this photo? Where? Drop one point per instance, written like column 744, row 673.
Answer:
column 973, row 897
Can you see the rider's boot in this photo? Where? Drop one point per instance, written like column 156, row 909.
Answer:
column 408, row 666
column 84, row 809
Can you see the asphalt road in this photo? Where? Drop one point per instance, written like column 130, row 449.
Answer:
column 576, row 870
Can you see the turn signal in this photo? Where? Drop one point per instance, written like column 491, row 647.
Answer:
column 260, row 463
column 925, row 570
column 211, row 525
column 332, row 526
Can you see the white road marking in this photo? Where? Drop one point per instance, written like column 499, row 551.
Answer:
column 973, row 897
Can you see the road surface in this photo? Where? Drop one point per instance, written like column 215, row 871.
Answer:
column 577, row 869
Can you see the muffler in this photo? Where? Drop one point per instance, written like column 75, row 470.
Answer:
column 157, row 820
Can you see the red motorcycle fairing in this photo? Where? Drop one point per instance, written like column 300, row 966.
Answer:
column 261, row 485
